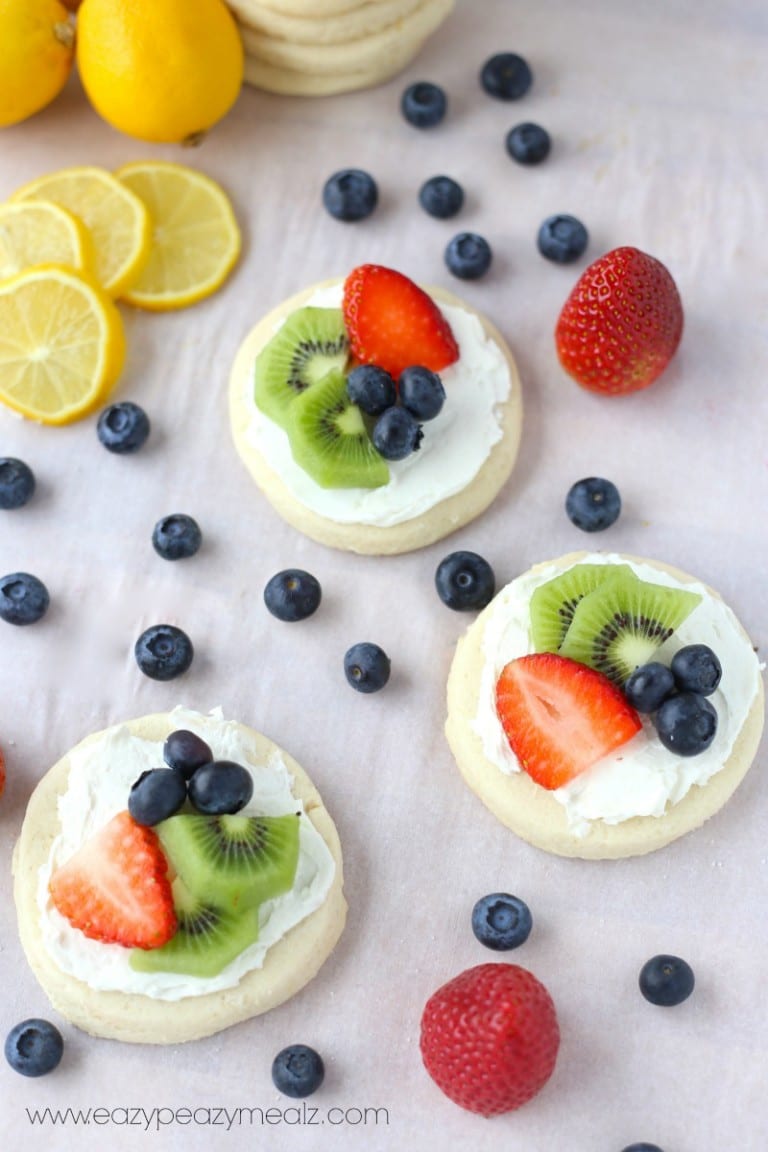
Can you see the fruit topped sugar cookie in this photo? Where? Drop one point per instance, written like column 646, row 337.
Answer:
column 603, row 705
column 374, row 415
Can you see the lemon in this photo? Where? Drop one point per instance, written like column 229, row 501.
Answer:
column 195, row 236
column 116, row 219
column 165, row 70
column 62, row 345
column 37, row 232
column 37, row 50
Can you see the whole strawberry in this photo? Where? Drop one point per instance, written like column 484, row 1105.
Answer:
column 489, row 1038
column 621, row 324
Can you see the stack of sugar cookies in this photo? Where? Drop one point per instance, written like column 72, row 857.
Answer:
column 322, row 47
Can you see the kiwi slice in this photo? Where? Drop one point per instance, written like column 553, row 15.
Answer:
column 232, row 861
column 304, row 349
column 554, row 603
column 620, row 625
column 329, row 439
column 208, row 937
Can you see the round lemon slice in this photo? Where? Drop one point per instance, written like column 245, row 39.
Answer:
column 37, row 232
column 62, row 345
column 195, row 236
column 117, row 220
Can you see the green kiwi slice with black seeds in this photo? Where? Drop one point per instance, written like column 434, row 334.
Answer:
column 553, row 604
column 304, row 349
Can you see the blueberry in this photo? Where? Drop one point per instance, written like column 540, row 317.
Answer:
column 528, row 143
column 156, row 795
column 350, row 194
column 366, row 667
column 423, row 104
column 176, row 537
column 421, row 392
column 562, row 239
column 696, row 669
column 593, row 504
column 123, row 427
column 649, row 686
column 501, row 921
column 23, row 598
column 220, row 788
column 686, row 724
column 642, row 1147
column 666, row 980
column 442, row 197
column 185, row 752
column 465, row 581
column 468, row 256
column 396, row 434
column 297, row 1071
column 17, row 482
column 506, row 76
column 292, row 595
column 163, row 652
column 34, row 1047
column 371, row 388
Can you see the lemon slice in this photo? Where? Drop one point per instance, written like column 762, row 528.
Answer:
column 37, row 232
column 195, row 236
column 116, row 219
column 62, row 344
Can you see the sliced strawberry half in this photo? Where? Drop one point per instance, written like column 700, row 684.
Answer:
column 116, row 888
column 392, row 322
column 560, row 717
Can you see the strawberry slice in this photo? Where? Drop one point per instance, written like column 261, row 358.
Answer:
column 560, row 716
column 116, row 889
column 393, row 323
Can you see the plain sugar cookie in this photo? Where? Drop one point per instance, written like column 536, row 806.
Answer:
column 85, row 979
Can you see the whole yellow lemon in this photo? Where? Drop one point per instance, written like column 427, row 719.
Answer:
column 159, row 70
column 37, row 49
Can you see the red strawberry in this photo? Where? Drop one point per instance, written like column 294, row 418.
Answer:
column 392, row 322
column 489, row 1038
column 560, row 716
column 2, row 772
column 621, row 324
column 116, row 889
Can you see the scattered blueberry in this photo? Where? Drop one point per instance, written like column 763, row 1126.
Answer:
column 649, row 686
column 185, row 752
column 292, row 595
column 156, row 795
column 506, row 76
column 371, row 388
column 593, row 504
column 666, row 980
column 297, row 1071
column 23, row 598
column 465, row 581
column 421, row 392
column 424, row 104
column 696, row 669
column 501, row 921
column 123, row 428
column 350, row 194
column 642, row 1147
column 396, row 434
column 34, row 1047
column 468, row 256
column 17, row 482
column 528, row 143
column 442, row 197
column 366, row 667
column 562, row 239
column 176, row 537
column 220, row 788
column 163, row 652
column 686, row 724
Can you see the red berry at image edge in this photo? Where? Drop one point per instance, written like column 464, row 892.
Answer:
column 489, row 1038
column 2, row 772
column 621, row 324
